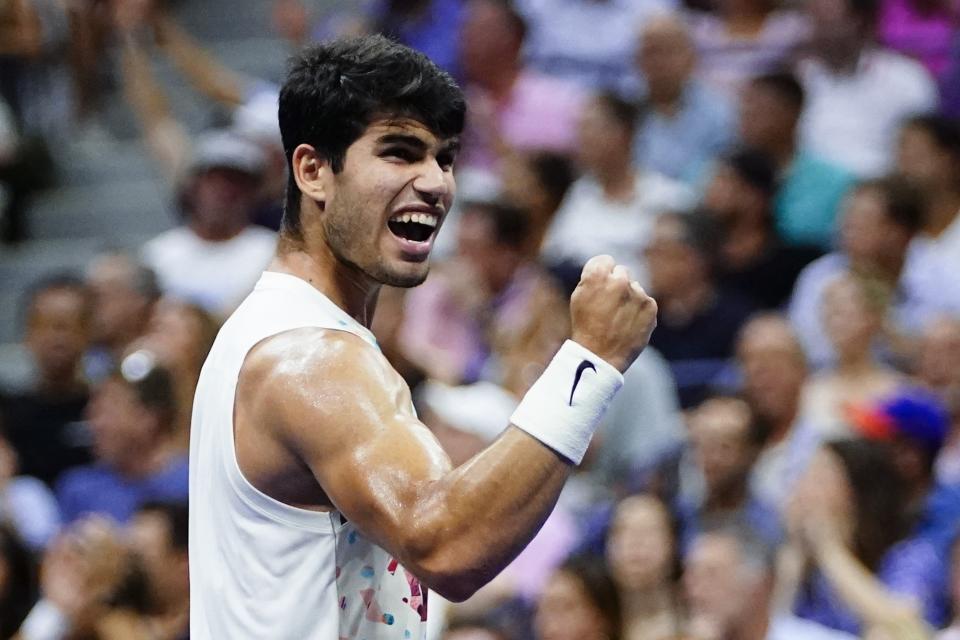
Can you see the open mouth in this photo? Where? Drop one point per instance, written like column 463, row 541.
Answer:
column 413, row 227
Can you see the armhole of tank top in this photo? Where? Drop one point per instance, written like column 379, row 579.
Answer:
column 328, row 522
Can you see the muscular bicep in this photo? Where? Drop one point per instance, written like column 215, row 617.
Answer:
column 346, row 414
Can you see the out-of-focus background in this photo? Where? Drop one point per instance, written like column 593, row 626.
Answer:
column 784, row 177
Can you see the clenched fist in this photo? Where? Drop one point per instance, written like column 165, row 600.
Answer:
column 611, row 315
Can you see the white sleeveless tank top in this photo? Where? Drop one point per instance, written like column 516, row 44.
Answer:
column 261, row 569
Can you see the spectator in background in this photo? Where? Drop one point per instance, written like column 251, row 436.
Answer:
column 643, row 553
column 698, row 321
column 124, row 293
column 810, row 188
column 611, row 209
column 744, row 38
column 879, row 221
column 752, row 260
column 852, row 311
column 868, row 575
column 953, row 632
column 132, row 418
column 216, row 256
column 684, row 124
column 45, row 423
column 857, row 93
column 938, row 368
column 537, row 182
column 929, row 157
column 158, row 534
column 580, row 602
column 453, row 321
column 18, row 582
column 921, row 29
column 511, row 107
column 725, row 440
column 429, row 26
column 180, row 334
column 587, row 42
column 27, row 506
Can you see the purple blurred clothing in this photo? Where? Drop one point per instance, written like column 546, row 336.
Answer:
column 927, row 37
column 98, row 488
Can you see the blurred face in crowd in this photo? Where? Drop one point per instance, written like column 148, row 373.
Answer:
column 123, row 428
column 665, row 57
column 766, row 119
column 223, row 197
column 850, row 320
column 120, row 312
column 57, row 332
column 599, row 133
column 166, row 567
column 867, row 234
column 640, row 548
column 489, row 43
column 835, row 25
column 565, row 611
column 938, row 364
column 922, row 161
column 180, row 335
column 719, row 431
column 717, row 583
column 673, row 264
column 495, row 262
column 732, row 199
column 774, row 367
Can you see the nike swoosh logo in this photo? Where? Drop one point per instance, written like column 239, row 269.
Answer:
column 586, row 364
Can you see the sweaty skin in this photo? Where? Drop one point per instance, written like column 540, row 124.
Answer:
column 322, row 421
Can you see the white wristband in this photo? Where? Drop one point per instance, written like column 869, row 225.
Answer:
column 45, row 622
column 562, row 408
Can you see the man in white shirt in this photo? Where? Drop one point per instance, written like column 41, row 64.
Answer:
column 858, row 93
column 216, row 256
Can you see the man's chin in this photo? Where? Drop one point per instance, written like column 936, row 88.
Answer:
column 404, row 278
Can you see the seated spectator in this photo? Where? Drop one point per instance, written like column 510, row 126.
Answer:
column 921, row 29
column 180, row 334
column 453, row 320
column 810, row 188
column 612, row 208
column 132, row 418
column 698, row 321
column 158, row 534
column 561, row 46
column 880, row 219
column 216, row 256
column 752, row 259
column 18, row 582
column 725, row 441
column 685, row 123
column 45, row 422
column 774, row 371
column 728, row 584
column 643, row 553
column 938, row 369
column 124, row 292
column 538, row 183
column 27, row 506
column 511, row 107
column 953, row 631
column 848, row 518
column 852, row 312
column 579, row 602
column 744, row 38
column 857, row 93
column 929, row 158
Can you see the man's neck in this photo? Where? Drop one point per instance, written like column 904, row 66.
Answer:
column 617, row 180
column 646, row 604
column 943, row 209
column 218, row 232
column 345, row 286
column 746, row 241
column 687, row 302
column 148, row 461
column 667, row 103
column 843, row 58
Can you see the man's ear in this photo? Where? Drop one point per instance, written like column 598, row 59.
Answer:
column 311, row 171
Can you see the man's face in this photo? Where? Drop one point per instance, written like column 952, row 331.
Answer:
column 119, row 311
column 672, row 262
column 222, row 195
column 719, row 432
column 382, row 211
column 57, row 331
column 773, row 366
column 166, row 567
column 765, row 118
column 867, row 235
column 598, row 133
column 666, row 58
column 922, row 161
column 121, row 425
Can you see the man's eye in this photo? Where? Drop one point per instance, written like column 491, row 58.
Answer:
column 403, row 154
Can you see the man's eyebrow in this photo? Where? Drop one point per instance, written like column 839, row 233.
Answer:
column 400, row 138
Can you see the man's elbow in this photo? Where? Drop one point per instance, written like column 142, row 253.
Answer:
column 453, row 574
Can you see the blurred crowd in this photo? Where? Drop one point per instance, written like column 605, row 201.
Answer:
column 784, row 177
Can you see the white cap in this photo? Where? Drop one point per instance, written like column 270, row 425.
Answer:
column 222, row 148
column 482, row 409
column 256, row 119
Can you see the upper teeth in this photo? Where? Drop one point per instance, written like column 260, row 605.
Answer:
column 428, row 219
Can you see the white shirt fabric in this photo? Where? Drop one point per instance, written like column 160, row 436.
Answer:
column 260, row 568
column 944, row 249
column 853, row 119
column 790, row 627
column 32, row 510
column 214, row 275
column 588, row 224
